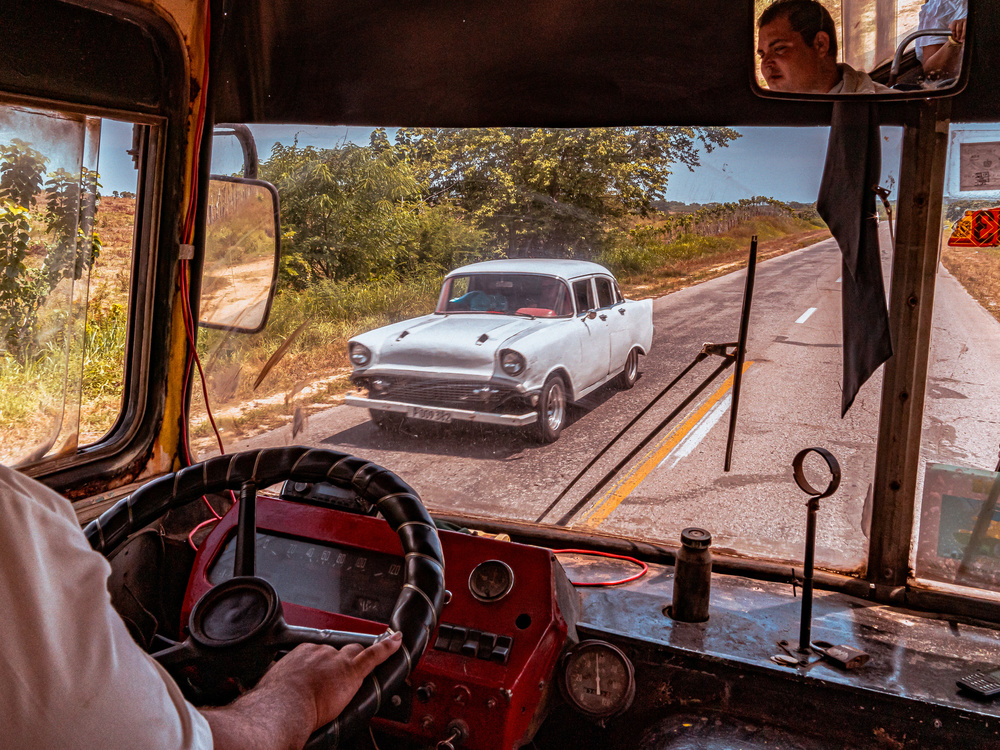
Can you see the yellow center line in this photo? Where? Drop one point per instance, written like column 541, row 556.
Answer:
column 616, row 496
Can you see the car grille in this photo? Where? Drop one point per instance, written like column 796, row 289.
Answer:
column 453, row 394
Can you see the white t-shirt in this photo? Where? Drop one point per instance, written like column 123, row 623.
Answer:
column 938, row 14
column 70, row 674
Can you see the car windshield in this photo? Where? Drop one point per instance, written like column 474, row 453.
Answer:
column 507, row 294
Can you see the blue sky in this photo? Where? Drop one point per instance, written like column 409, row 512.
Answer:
column 782, row 163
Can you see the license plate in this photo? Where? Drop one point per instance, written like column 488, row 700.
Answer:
column 432, row 415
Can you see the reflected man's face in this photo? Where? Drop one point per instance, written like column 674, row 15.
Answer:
column 787, row 63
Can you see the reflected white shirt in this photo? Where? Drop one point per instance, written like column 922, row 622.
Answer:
column 856, row 82
column 70, row 674
column 938, row 14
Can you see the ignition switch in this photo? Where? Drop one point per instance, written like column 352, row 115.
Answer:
column 458, row 732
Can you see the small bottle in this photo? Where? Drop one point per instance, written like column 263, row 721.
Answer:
column 692, row 577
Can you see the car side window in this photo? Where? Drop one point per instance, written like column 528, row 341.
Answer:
column 583, row 293
column 618, row 294
column 605, row 292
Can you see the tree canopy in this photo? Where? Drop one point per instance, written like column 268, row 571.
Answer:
column 438, row 196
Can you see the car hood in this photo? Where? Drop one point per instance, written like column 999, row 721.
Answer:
column 460, row 341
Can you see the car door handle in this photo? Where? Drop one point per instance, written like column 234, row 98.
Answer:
column 621, row 310
column 604, row 317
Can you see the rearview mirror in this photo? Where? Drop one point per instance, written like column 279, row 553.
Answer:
column 242, row 250
column 842, row 49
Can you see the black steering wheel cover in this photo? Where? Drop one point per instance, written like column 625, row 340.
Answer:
column 421, row 599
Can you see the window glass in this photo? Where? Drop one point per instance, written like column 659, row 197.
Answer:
column 605, row 297
column 584, row 295
column 62, row 308
column 957, row 534
column 374, row 220
column 868, row 34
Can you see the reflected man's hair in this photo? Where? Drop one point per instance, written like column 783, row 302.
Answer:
column 807, row 17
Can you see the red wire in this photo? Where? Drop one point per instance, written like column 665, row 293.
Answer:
column 189, row 329
column 640, row 574
column 200, row 525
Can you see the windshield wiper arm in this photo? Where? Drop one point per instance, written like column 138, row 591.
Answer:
column 717, row 349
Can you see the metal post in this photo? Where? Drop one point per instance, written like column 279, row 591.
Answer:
column 246, row 537
column 805, row 626
column 815, row 495
column 741, row 350
column 911, row 303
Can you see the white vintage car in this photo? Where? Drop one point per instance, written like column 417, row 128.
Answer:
column 511, row 342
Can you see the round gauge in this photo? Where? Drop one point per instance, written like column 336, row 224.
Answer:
column 491, row 581
column 598, row 679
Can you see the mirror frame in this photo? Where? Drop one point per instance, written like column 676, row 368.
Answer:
column 277, row 256
column 960, row 83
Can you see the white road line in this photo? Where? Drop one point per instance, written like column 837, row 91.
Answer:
column 693, row 438
column 805, row 316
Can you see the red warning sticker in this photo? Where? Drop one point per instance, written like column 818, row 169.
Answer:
column 977, row 229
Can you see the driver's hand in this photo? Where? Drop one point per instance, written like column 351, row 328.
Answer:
column 325, row 678
column 958, row 30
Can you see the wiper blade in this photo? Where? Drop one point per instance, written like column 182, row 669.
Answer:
column 720, row 350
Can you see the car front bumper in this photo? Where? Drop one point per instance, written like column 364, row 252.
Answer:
column 446, row 414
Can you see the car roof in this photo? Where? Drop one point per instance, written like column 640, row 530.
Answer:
column 567, row 269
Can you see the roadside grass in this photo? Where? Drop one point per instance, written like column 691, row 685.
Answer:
column 693, row 258
column 107, row 314
column 30, row 398
column 978, row 271
column 314, row 371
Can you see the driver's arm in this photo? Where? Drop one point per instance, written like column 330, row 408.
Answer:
column 71, row 675
column 304, row 691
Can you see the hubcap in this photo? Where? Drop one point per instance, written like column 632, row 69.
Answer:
column 633, row 364
column 555, row 406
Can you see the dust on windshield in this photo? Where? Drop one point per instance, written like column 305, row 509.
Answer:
column 594, row 410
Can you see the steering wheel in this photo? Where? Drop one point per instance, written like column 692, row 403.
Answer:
column 237, row 627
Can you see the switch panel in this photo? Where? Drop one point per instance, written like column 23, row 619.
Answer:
column 474, row 644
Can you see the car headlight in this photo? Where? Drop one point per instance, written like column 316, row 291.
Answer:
column 511, row 362
column 360, row 354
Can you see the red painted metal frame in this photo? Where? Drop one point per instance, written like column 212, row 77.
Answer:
column 497, row 702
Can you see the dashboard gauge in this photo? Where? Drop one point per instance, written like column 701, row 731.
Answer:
column 491, row 581
column 598, row 679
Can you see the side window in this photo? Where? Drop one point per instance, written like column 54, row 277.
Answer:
column 66, row 224
column 605, row 294
column 584, row 295
column 618, row 294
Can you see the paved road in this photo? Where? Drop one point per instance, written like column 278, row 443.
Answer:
column 791, row 400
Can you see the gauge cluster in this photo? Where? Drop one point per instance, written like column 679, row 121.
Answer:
column 326, row 577
column 494, row 656
column 597, row 679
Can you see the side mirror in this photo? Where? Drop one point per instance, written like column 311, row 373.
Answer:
column 591, row 314
column 833, row 50
column 242, row 251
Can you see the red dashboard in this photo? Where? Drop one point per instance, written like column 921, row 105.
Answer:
column 492, row 658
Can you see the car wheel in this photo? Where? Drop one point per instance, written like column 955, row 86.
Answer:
column 551, row 409
column 626, row 379
column 389, row 421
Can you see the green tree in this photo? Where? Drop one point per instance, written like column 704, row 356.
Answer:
column 66, row 204
column 552, row 191
column 346, row 212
